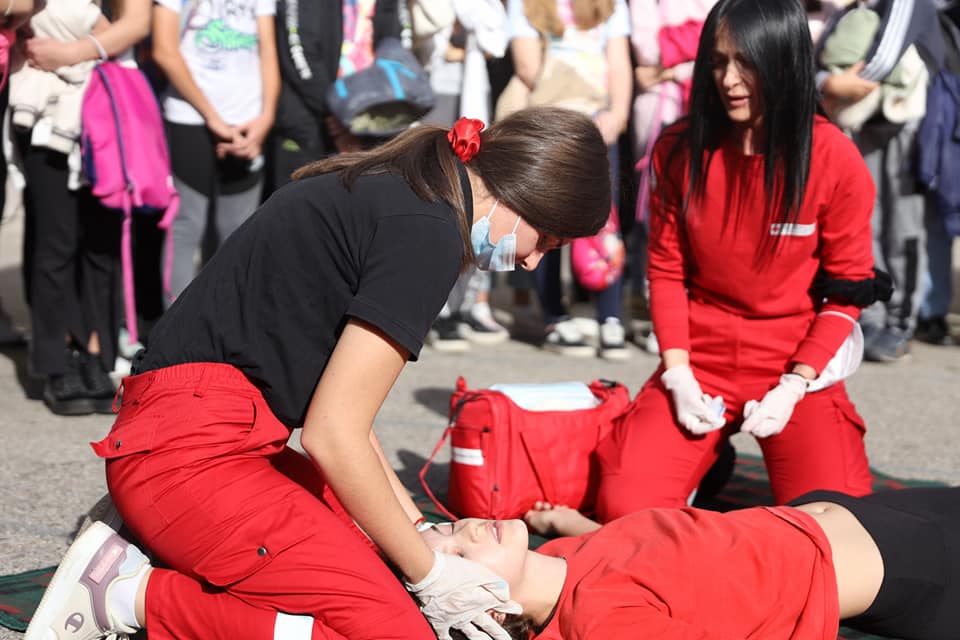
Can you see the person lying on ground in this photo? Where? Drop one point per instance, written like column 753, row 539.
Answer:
column 886, row 564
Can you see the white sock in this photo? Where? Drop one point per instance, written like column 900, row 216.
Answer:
column 481, row 311
column 122, row 595
column 289, row 627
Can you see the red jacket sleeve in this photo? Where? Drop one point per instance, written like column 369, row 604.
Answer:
column 667, row 267
column 846, row 243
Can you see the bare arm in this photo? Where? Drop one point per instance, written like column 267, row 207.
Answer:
column 846, row 87
column 613, row 121
column 527, row 59
column 166, row 53
column 674, row 358
column 269, row 67
column 252, row 134
column 115, row 37
column 337, row 436
column 400, row 491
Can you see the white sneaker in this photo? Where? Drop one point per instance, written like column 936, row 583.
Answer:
column 589, row 327
column 651, row 344
column 75, row 605
column 613, row 344
column 566, row 339
column 478, row 325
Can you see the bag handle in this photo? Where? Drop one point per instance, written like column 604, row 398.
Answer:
column 454, row 416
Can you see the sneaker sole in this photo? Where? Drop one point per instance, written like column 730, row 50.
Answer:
column 484, row 337
column 620, row 354
column 76, row 407
column 65, row 579
column 585, row 351
column 103, row 406
column 885, row 359
column 450, row 346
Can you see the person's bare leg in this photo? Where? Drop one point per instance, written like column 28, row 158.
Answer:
column 93, row 344
column 558, row 520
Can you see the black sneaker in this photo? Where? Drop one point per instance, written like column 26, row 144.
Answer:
column 97, row 381
column 890, row 344
column 934, row 331
column 445, row 336
column 478, row 325
column 66, row 394
column 565, row 338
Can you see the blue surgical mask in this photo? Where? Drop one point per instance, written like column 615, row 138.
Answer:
column 494, row 257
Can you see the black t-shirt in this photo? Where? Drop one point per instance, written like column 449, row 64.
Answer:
column 275, row 298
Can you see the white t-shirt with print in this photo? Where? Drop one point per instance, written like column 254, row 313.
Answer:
column 219, row 43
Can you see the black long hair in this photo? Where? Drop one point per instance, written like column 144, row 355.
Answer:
column 773, row 38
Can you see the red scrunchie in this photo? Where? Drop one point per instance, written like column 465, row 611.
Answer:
column 464, row 137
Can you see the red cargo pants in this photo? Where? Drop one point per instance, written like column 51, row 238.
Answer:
column 650, row 460
column 199, row 469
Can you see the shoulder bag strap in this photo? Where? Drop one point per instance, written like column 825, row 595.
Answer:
column 467, row 397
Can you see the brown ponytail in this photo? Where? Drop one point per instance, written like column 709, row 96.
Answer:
column 546, row 163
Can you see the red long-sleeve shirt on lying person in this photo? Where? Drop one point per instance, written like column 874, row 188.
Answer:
column 729, row 250
column 685, row 574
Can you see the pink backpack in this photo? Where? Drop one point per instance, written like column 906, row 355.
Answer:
column 126, row 161
column 598, row 260
column 8, row 37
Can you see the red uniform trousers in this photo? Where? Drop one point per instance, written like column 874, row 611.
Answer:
column 650, row 460
column 199, row 469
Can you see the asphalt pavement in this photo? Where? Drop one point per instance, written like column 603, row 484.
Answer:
column 49, row 477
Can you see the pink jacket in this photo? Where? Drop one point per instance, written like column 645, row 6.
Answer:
column 649, row 17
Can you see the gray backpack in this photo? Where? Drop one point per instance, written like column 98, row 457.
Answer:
column 386, row 97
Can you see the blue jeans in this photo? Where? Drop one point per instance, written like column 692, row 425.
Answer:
column 938, row 280
column 546, row 276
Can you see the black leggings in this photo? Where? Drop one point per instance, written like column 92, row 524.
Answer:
column 918, row 534
column 71, row 263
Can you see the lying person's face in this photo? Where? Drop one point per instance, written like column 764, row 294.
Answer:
column 499, row 545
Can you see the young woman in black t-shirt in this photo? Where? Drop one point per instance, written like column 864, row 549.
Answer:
column 305, row 318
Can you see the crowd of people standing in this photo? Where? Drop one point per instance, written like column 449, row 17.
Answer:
column 242, row 87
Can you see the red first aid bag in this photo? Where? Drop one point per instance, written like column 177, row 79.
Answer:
column 505, row 458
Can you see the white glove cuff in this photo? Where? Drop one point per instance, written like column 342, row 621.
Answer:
column 431, row 577
column 423, row 525
column 796, row 383
column 676, row 376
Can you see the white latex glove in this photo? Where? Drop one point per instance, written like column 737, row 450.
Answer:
column 769, row 416
column 696, row 411
column 458, row 593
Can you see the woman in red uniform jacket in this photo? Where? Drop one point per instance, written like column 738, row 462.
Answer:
column 886, row 564
column 304, row 319
column 759, row 259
